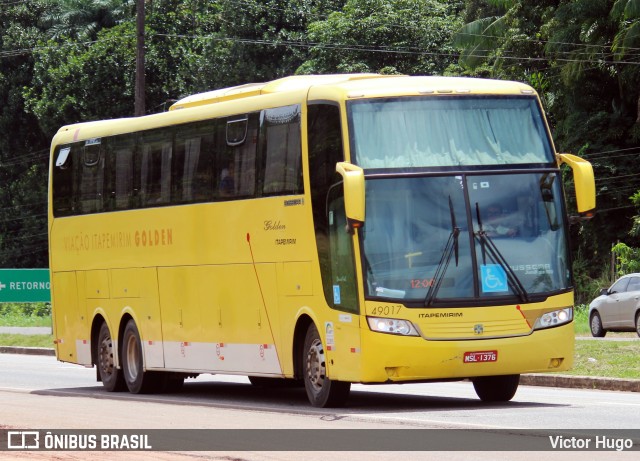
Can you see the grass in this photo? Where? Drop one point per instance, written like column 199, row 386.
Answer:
column 611, row 359
column 17, row 320
column 26, row 340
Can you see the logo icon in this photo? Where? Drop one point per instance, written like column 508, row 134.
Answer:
column 478, row 329
column 23, row 440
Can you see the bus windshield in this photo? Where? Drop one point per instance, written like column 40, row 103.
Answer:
column 448, row 131
column 469, row 237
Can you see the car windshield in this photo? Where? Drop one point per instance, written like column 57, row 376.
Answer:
column 476, row 236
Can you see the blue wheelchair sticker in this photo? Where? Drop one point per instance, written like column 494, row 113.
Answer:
column 494, row 278
column 336, row 294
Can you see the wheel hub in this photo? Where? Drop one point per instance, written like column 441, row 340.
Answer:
column 316, row 369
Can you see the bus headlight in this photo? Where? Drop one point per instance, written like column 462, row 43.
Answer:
column 554, row 318
column 392, row 326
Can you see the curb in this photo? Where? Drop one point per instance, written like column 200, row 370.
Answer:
column 581, row 382
column 27, row 350
column 544, row 380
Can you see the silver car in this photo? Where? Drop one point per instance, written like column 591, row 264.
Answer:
column 617, row 308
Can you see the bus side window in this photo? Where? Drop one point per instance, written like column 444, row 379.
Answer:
column 63, row 180
column 282, row 158
column 236, row 156
column 121, row 151
column 90, row 171
column 155, row 155
column 193, row 163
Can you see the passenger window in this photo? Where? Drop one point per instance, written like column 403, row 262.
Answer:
column 121, row 150
column 620, row 286
column 282, row 160
column 236, row 158
column 91, row 174
column 634, row 284
column 193, row 163
column 155, row 167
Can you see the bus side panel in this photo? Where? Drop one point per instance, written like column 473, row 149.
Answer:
column 136, row 291
column 71, row 330
column 214, row 318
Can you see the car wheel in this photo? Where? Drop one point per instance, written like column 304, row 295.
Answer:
column 638, row 323
column 597, row 331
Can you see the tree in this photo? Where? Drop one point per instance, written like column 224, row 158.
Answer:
column 23, row 147
column 83, row 19
column 390, row 36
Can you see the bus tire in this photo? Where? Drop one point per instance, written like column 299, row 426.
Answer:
column 321, row 390
column 138, row 381
column 496, row 388
column 110, row 375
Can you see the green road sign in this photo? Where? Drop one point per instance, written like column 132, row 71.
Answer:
column 24, row 285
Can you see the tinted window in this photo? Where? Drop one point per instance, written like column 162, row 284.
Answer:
column 194, row 162
column 282, row 152
column 620, row 286
column 90, row 173
column 634, row 284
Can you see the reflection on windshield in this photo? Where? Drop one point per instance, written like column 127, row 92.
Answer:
column 507, row 245
column 452, row 131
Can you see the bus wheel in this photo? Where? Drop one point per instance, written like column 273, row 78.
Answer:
column 321, row 391
column 110, row 376
column 138, row 381
column 496, row 388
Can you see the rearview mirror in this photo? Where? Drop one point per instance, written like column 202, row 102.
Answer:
column 584, row 182
column 354, row 203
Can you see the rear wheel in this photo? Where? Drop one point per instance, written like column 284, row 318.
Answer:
column 638, row 323
column 110, row 376
column 496, row 388
column 597, row 331
column 321, row 390
column 138, row 381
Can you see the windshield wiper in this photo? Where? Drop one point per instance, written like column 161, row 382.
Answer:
column 452, row 247
column 487, row 244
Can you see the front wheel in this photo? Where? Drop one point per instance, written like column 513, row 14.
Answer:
column 138, row 381
column 496, row 388
column 597, row 331
column 321, row 390
column 638, row 323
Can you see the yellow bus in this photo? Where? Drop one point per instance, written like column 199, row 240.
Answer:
column 320, row 231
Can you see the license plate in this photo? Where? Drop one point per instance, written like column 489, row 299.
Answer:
column 479, row 357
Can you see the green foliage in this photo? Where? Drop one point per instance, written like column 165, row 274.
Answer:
column 628, row 259
column 409, row 36
column 581, row 319
column 25, row 309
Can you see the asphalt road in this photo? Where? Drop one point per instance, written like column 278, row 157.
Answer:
column 39, row 392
